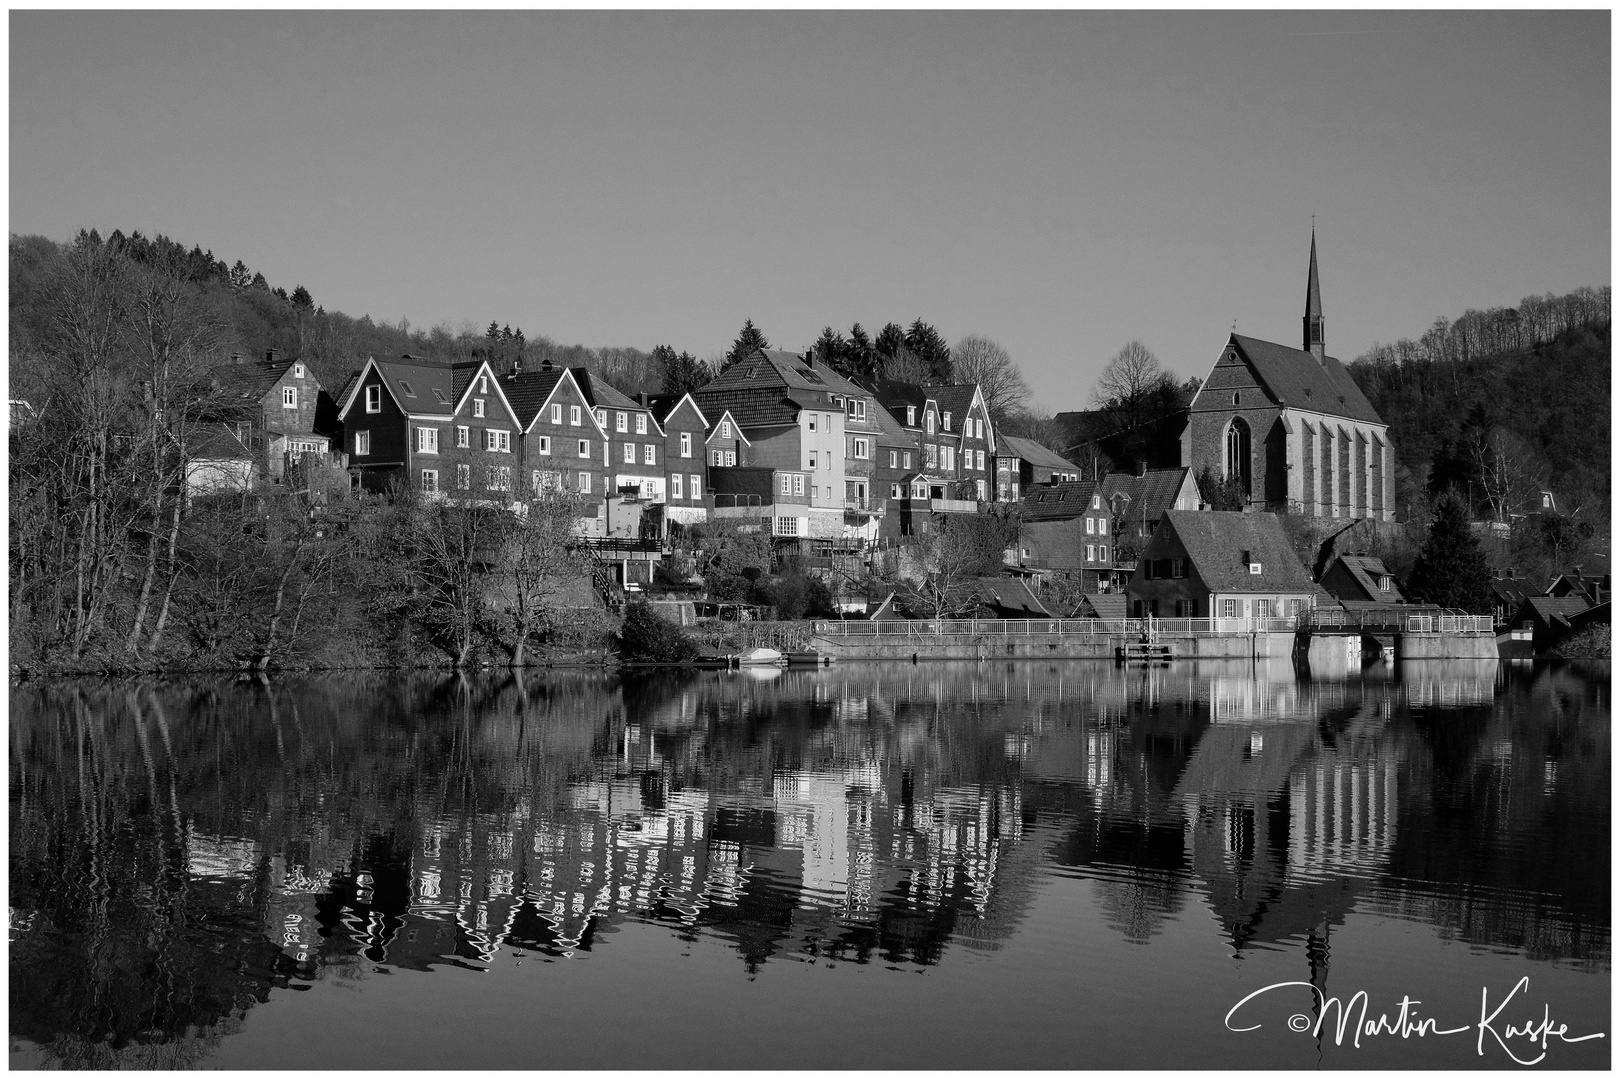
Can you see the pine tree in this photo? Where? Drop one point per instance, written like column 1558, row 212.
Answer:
column 859, row 354
column 750, row 339
column 493, row 332
column 1451, row 569
column 924, row 341
column 683, row 373
column 830, row 349
column 301, row 297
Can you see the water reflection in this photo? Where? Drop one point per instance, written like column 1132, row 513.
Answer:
column 180, row 851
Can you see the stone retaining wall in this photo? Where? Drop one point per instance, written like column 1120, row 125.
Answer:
column 1044, row 646
column 1446, row 647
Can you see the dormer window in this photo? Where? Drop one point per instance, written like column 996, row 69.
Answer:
column 945, row 422
column 911, row 416
column 725, row 429
column 407, row 388
column 928, row 423
column 1383, row 583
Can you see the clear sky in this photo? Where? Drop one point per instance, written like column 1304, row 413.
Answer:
column 1061, row 182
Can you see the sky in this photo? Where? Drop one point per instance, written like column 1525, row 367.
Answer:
column 1061, row 182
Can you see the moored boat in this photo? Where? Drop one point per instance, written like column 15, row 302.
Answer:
column 760, row 657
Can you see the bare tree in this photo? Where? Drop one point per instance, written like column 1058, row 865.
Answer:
column 1132, row 388
column 1509, row 470
column 976, row 359
column 938, row 569
column 538, row 563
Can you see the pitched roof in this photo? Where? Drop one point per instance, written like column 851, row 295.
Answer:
column 1215, row 541
column 600, row 394
column 251, row 380
column 1156, row 488
column 1009, row 593
column 216, row 442
column 1057, row 502
column 956, row 400
column 527, row 391
column 890, row 431
column 1108, row 605
column 895, row 396
column 422, row 387
column 1296, row 378
column 1367, row 570
column 774, row 367
column 1556, row 609
column 1033, row 452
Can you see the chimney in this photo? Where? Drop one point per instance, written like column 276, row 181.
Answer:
column 1510, row 573
column 1141, row 469
column 1247, row 556
column 517, row 365
column 545, row 364
column 238, row 358
column 272, row 355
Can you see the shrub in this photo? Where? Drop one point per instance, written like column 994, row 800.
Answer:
column 647, row 636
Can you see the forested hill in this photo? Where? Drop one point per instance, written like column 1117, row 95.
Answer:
column 1500, row 403
column 250, row 315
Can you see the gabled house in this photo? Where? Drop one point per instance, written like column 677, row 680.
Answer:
column 1554, row 619
column 477, row 453
column 563, row 445
column 966, row 429
column 1508, row 594
column 1361, row 579
column 637, row 457
column 392, row 414
column 686, row 434
column 1291, row 427
column 895, row 461
column 1594, row 589
column 794, row 422
column 1022, row 464
column 1138, row 500
column 288, row 411
column 220, row 459
column 1065, row 527
column 1220, row 564
column 725, row 445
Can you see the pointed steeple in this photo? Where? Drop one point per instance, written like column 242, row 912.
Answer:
column 1315, row 326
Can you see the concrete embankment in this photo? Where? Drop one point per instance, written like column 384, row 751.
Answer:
column 1446, row 647
column 1044, row 646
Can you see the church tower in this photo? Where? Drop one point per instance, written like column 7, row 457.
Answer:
column 1315, row 327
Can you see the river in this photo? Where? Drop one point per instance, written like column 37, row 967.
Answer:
column 947, row 865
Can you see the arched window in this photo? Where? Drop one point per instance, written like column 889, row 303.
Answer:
column 1237, row 453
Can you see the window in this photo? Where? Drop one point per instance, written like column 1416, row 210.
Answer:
column 641, row 423
column 787, row 484
column 928, row 423
column 574, row 416
column 1262, row 609
column 1383, row 583
column 813, row 491
column 1102, row 552
column 601, row 418
column 980, row 485
column 675, row 486
column 731, row 458
column 543, row 445
column 585, row 483
column 894, row 459
column 945, row 421
column 630, row 454
column 483, row 384
column 462, row 436
column 1178, row 568
column 1234, row 397
column 621, row 422
column 430, row 481
column 427, row 440
column 1096, row 502
column 695, row 491
column 812, row 459
column 362, row 444
column 374, row 398
column 798, row 483
column 478, row 406
column 298, row 371
column 911, row 416
column 649, row 454
column 894, row 491
column 1091, row 526
column 289, row 397
column 1254, row 568
column 931, row 455
column 981, row 461
column 1091, row 552
column 1228, row 609
column 686, row 444
column 860, row 448
column 407, row 388
column 463, row 477
column 860, row 410
column 585, row 448
column 908, row 459
column 1296, row 607
column 498, row 441
column 498, row 477
column 812, row 417
column 725, row 429
column 556, row 414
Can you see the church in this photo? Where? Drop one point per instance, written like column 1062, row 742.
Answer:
column 1292, row 426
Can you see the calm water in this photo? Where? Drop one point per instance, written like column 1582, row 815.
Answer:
column 949, row 865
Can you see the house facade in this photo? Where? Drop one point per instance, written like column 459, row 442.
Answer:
column 288, row 411
column 1220, row 564
column 1291, row 427
column 1361, row 579
column 392, row 408
column 564, row 447
column 1024, row 463
column 1067, row 528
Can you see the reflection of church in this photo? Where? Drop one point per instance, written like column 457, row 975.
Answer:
column 1292, row 427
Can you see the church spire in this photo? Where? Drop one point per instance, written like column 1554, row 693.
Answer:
column 1315, row 326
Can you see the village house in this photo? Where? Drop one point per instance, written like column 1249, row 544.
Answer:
column 1291, row 427
column 1552, row 620
column 1361, row 579
column 794, row 423
column 475, row 454
column 288, row 412
column 1022, row 464
column 686, row 434
column 936, row 485
column 893, row 465
column 1066, row 528
column 392, row 413
column 1220, row 564
column 564, row 447
column 1138, row 501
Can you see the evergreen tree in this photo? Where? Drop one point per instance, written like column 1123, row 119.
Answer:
column 890, row 340
column 748, row 340
column 493, row 331
column 830, row 349
column 1451, row 569
column 926, row 344
column 683, row 373
column 301, row 297
column 859, row 355
column 241, row 278
column 259, row 282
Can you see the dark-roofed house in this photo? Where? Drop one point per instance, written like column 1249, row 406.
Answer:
column 1292, row 427
column 1220, row 564
column 1138, row 500
column 1362, row 578
column 1008, row 597
column 1595, row 589
column 1067, row 528
column 289, row 412
column 392, row 415
column 564, row 448
column 1023, row 463
column 1554, row 619
column 896, row 459
column 794, row 420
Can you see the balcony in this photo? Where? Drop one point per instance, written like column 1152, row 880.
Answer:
column 864, row 506
column 944, row 506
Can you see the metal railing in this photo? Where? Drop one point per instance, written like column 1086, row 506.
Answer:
column 1450, row 624
column 1081, row 628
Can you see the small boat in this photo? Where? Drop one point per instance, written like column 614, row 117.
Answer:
column 761, row 657
column 813, row 659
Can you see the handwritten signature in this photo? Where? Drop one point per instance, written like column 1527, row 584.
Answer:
column 1408, row 1024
